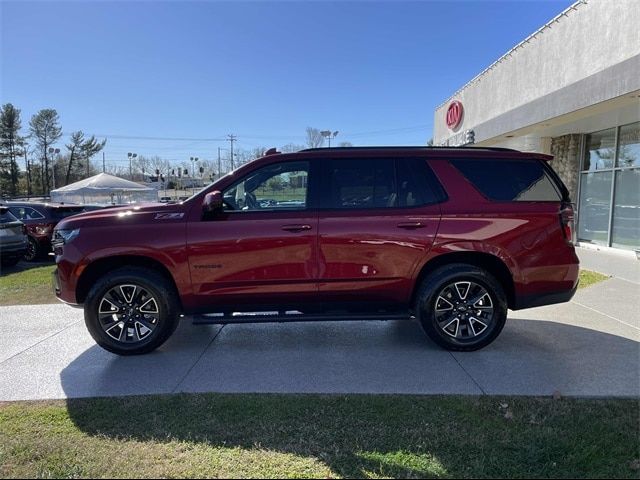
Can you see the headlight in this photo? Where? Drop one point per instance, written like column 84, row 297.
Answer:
column 42, row 230
column 62, row 237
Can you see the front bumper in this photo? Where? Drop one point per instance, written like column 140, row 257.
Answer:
column 13, row 250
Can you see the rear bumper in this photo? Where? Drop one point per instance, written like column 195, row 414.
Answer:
column 540, row 299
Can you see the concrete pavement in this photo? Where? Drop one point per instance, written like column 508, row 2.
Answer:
column 588, row 347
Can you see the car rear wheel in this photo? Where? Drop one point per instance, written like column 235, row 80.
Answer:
column 33, row 250
column 131, row 311
column 461, row 307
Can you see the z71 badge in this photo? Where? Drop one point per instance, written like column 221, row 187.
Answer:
column 168, row 216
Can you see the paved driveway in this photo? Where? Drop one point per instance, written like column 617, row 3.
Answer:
column 589, row 347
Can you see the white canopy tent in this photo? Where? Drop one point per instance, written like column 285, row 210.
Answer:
column 104, row 189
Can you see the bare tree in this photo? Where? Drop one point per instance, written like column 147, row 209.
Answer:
column 314, row 137
column 292, row 148
column 117, row 170
column 345, row 144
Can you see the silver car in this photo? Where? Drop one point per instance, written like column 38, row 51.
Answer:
column 13, row 238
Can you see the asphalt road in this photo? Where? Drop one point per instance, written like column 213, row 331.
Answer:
column 589, row 347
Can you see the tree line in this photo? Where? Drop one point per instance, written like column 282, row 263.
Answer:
column 46, row 167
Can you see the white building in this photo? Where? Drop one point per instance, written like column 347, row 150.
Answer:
column 571, row 89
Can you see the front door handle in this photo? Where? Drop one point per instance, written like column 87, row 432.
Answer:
column 411, row 225
column 296, row 228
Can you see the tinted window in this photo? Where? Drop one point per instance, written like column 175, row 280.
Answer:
column 6, row 216
column 379, row 183
column 510, row 180
column 274, row 187
column 60, row 213
column 414, row 184
column 362, row 183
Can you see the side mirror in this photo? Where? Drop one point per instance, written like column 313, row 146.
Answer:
column 212, row 202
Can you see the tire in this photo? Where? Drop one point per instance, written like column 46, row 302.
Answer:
column 456, row 317
column 33, row 252
column 131, row 321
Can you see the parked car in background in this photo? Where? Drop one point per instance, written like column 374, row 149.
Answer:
column 452, row 237
column 13, row 238
column 39, row 220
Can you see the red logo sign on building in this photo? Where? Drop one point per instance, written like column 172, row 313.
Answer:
column 454, row 114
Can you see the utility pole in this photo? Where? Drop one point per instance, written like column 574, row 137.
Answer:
column 103, row 166
column 232, row 138
column 219, row 167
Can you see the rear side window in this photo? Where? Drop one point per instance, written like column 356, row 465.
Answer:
column 417, row 185
column 362, row 183
column 379, row 183
column 507, row 180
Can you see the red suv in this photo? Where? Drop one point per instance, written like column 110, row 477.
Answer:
column 450, row 236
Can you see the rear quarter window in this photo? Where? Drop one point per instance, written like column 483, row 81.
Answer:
column 506, row 180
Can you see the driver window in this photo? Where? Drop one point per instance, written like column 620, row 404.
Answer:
column 274, row 187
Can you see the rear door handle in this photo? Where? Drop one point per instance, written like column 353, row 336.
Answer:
column 411, row 225
column 296, row 228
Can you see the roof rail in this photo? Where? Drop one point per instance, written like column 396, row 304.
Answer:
column 403, row 147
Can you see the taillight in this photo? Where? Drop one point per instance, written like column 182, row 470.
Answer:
column 567, row 221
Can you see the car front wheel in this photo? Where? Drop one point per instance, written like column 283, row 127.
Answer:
column 461, row 307
column 33, row 250
column 131, row 311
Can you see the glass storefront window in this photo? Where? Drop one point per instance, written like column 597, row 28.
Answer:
column 600, row 150
column 629, row 146
column 625, row 232
column 595, row 202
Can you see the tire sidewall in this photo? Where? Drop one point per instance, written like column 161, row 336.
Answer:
column 33, row 243
column 156, row 285
column 439, row 279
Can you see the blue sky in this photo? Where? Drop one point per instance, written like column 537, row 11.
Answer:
column 374, row 71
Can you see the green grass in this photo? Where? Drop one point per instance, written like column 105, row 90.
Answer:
column 588, row 278
column 26, row 284
column 214, row 435
column 31, row 285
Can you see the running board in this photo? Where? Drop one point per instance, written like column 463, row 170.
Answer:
column 219, row 319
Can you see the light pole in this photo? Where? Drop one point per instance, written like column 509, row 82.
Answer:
column 53, row 151
column 131, row 157
column 328, row 134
